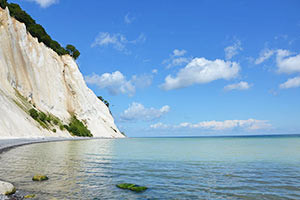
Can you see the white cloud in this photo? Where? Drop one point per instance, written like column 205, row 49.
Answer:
column 128, row 19
column 201, row 70
column 178, row 52
column 177, row 59
column 178, row 62
column 140, row 39
column 238, row 86
column 45, row 3
column 159, row 126
column 233, row 50
column 287, row 63
column 291, row 83
column 154, row 71
column 264, row 55
column 249, row 125
column 116, row 83
column 141, row 81
column 116, row 40
column 137, row 111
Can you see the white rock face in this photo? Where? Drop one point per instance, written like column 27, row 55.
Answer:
column 6, row 188
column 53, row 83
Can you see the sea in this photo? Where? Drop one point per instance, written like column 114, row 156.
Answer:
column 265, row 167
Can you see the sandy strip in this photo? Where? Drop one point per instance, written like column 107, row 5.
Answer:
column 7, row 144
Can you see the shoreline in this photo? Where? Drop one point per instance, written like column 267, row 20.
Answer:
column 7, row 144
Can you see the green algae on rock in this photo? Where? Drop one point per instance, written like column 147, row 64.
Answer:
column 132, row 187
column 29, row 196
column 39, row 177
column 11, row 192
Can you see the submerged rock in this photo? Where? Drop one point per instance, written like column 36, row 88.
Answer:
column 132, row 187
column 39, row 177
column 7, row 188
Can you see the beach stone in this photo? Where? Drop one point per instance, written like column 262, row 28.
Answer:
column 132, row 187
column 39, row 177
column 7, row 188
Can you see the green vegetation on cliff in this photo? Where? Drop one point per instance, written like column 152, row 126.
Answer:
column 77, row 128
column 103, row 100
column 36, row 30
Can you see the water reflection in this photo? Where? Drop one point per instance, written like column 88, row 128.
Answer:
column 68, row 164
column 172, row 168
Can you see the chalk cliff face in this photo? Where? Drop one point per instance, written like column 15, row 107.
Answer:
column 33, row 74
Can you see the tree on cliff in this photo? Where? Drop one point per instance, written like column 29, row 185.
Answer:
column 72, row 51
column 37, row 30
column 104, row 101
column 3, row 4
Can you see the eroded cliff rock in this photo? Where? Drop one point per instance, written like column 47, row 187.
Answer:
column 32, row 74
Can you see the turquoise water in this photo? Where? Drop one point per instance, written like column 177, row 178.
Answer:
column 172, row 168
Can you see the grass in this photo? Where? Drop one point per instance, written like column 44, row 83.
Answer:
column 50, row 122
column 77, row 128
column 22, row 101
column 47, row 121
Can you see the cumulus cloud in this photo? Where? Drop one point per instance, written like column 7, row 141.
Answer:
column 116, row 40
column 177, row 59
column 238, row 86
column 137, row 111
column 116, row 83
column 44, row 3
column 200, row 71
column 291, row 83
column 233, row 50
column 264, row 55
column 286, row 62
column 250, row 125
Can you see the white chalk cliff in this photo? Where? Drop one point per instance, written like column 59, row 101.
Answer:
column 33, row 74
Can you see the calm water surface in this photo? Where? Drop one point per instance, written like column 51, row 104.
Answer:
column 173, row 168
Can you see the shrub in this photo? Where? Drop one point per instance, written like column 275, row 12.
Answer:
column 33, row 113
column 54, row 130
column 77, row 128
column 55, row 121
column 123, row 133
column 42, row 117
column 48, row 119
column 66, row 127
column 61, row 127
column 103, row 100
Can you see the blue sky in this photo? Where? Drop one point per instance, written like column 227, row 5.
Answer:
column 186, row 68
